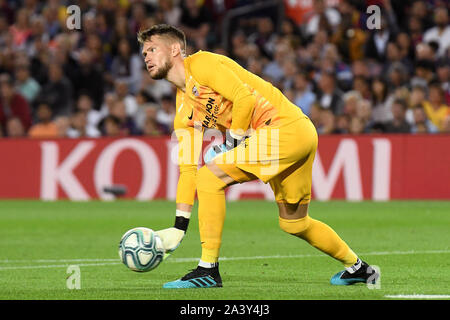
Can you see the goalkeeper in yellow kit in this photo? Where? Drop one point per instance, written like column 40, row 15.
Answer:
column 267, row 138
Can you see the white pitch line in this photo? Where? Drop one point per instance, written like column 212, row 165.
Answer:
column 386, row 253
column 55, row 260
column 181, row 260
column 59, row 266
column 375, row 253
column 178, row 260
column 419, row 296
column 380, row 253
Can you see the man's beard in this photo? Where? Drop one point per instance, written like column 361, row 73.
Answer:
column 163, row 71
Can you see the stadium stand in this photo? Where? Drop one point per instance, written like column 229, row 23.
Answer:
column 349, row 79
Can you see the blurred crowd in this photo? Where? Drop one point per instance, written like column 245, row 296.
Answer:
column 348, row 78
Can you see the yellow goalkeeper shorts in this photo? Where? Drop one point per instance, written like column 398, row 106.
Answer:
column 282, row 157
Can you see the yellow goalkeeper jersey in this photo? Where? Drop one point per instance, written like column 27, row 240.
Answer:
column 220, row 94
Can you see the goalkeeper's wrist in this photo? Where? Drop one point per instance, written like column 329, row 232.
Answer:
column 182, row 220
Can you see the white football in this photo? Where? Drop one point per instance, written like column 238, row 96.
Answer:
column 141, row 249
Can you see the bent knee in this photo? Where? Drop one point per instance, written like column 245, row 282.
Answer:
column 292, row 210
column 294, row 226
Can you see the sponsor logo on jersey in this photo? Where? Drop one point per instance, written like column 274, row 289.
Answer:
column 211, row 115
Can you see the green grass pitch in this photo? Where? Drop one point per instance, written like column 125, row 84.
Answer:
column 408, row 241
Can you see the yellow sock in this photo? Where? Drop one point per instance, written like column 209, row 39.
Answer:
column 322, row 237
column 211, row 213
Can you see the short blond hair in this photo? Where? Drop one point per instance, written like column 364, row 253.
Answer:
column 163, row 30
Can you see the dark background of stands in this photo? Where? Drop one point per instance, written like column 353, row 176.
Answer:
column 92, row 82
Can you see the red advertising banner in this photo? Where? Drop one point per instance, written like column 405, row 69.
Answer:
column 346, row 167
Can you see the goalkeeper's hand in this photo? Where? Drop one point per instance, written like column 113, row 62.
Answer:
column 172, row 237
column 231, row 142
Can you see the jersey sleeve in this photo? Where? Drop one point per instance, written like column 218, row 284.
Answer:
column 210, row 70
column 189, row 149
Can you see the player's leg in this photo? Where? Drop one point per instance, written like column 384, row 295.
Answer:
column 211, row 183
column 294, row 219
column 292, row 190
column 212, row 179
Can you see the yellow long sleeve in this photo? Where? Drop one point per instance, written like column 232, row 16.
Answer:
column 189, row 149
